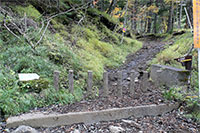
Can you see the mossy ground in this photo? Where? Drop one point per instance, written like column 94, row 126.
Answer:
column 178, row 49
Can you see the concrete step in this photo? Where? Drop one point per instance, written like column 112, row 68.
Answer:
column 54, row 119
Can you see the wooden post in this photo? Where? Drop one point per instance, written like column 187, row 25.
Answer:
column 119, row 85
column 56, row 75
column 89, row 82
column 71, row 81
column 144, row 81
column 132, row 82
column 105, row 84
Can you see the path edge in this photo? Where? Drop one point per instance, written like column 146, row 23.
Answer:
column 54, row 119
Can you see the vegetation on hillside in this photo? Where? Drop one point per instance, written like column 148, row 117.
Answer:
column 41, row 36
column 67, row 43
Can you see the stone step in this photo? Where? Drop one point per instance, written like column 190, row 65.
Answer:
column 54, row 119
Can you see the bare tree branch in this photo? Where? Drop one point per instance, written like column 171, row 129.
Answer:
column 23, row 28
column 39, row 31
column 4, row 23
column 10, row 31
column 72, row 9
column 43, row 33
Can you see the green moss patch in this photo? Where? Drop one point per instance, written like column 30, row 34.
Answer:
column 29, row 10
column 180, row 47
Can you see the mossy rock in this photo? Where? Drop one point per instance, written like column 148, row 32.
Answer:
column 35, row 85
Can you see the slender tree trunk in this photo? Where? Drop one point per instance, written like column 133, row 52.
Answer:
column 180, row 15
column 149, row 20
column 190, row 11
column 112, row 6
column 170, row 19
column 145, row 26
column 141, row 25
column 102, row 5
column 134, row 16
column 176, row 14
column 125, row 21
column 155, row 18
column 155, row 23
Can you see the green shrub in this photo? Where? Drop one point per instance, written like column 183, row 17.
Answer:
column 35, row 85
column 29, row 10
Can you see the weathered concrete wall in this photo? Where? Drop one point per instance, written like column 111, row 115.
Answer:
column 53, row 120
column 169, row 76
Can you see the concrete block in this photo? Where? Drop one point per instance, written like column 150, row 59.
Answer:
column 53, row 120
column 169, row 76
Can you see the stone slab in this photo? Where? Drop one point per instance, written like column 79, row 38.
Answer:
column 28, row 76
column 169, row 76
column 53, row 119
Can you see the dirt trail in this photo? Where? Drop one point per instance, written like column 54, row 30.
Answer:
column 140, row 60
column 137, row 62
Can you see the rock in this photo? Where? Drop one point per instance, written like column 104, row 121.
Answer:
column 25, row 129
column 115, row 129
column 135, row 124
column 114, row 84
column 7, row 130
column 169, row 76
column 128, row 79
column 127, row 121
column 75, row 131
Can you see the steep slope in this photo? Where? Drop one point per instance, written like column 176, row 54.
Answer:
column 79, row 39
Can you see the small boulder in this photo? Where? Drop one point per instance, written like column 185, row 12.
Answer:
column 25, row 129
column 115, row 129
column 75, row 131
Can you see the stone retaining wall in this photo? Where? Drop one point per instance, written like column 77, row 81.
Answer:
column 169, row 76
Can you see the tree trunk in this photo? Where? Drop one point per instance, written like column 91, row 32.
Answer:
column 180, row 15
column 155, row 18
column 190, row 11
column 112, row 6
column 149, row 20
column 134, row 17
column 145, row 26
column 141, row 25
column 102, row 5
column 170, row 19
